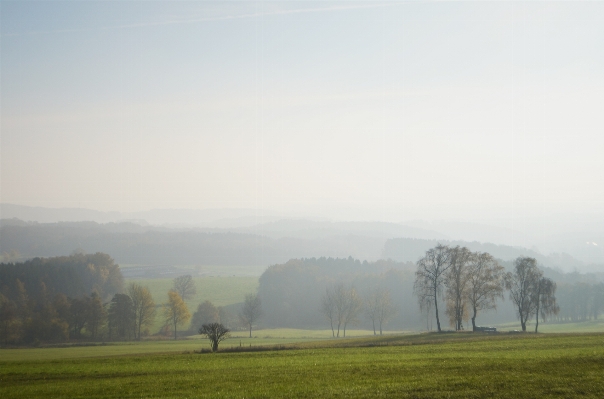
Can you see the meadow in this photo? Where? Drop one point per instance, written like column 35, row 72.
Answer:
column 220, row 290
column 459, row 365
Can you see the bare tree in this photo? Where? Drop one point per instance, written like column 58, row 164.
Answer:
column 430, row 276
column 545, row 296
column 328, row 308
column 522, row 284
column 353, row 306
column 339, row 298
column 485, row 283
column 143, row 307
column 185, row 286
column 342, row 306
column 251, row 311
column 456, row 281
column 379, row 307
column 216, row 333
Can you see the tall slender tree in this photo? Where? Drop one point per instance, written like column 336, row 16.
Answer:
column 545, row 297
column 251, row 311
column 185, row 286
column 121, row 316
column 143, row 308
column 522, row 284
column 175, row 311
column 456, row 282
column 353, row 306
column 430, row 276
column 328, row 308
column 485, row 283
column 379, row 307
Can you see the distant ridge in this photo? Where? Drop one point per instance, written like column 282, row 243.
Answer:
column 218, row 218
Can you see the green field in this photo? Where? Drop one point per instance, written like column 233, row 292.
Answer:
column 460, row 365
column 219, row 290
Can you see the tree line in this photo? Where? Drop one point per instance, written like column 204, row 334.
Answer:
column 472, row 282
column 80, row 297
column 580, row 302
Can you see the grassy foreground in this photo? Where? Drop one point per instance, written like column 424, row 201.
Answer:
column 420, row 366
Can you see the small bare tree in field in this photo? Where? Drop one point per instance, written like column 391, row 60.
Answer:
column 216, row 333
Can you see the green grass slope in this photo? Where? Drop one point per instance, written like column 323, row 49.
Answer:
column 420, row 366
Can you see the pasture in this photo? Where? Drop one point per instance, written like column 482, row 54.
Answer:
column 460, row 365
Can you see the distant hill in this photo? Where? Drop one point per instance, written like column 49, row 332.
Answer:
column 131, row 243
column 309, row 229
column 211, row 218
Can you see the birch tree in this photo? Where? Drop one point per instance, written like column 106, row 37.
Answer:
column 430, row 277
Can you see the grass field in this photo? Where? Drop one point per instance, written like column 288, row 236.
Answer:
column 219, row 290
column 588, row 326
column 267, row 337
column 416, row 366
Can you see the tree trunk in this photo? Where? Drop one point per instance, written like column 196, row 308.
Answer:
column 436, row 311
column 474, row 319
column 537, row 318
column 380, row 328
column 250, row 330
column 373, row 321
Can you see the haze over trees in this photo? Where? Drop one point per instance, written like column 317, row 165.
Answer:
column 251, row 311
column 55, row 299
column 579, row 301
column 185, row 286
column 379, row 307
column 342, row 306
column 293, row 293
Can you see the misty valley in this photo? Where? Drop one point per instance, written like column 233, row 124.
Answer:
column 85, row 295
column 196, row 296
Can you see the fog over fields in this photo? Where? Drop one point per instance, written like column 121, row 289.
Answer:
column 308, row 155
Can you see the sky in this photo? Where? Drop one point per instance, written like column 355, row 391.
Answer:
column 391, row 111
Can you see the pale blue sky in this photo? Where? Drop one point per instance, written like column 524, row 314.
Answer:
column 346, row 110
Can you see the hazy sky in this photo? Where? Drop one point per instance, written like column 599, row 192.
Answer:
column 356, row 110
